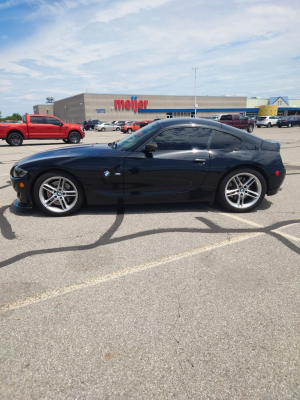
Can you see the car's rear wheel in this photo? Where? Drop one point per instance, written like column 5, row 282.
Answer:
column 269, row 125
column 289, row 125
column 74, row 137
column 258, row 126
column 15, row 139
column 117, row 129
column 58, row 193
column 242, row 190
column 250, row 128
column 90, row 128
column 129, row 130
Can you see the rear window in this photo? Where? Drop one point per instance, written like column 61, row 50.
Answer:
column 224, row 141
column 226, row 118
column 37, row 120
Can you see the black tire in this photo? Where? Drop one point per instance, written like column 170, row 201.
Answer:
column 60, row 205
column 65, row 140
column 242, row 190
column 90, row 128
column 250, row 128
column 74, row 137
column 117, row 129
column 269, row 125
column 258, row 126
column 289, row 125
column 279, row 126
column 15, row 139
column 103, row 130
column 129, row 130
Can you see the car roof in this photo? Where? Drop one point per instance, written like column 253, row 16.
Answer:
column 211, row 124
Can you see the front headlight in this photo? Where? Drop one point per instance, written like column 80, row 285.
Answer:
column 19, row 172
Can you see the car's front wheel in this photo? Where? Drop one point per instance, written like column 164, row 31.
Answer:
column 103, row 130
column 15, row 139
column 58, row 193
column 74, row 137
column 269, row 125
column 242, row 190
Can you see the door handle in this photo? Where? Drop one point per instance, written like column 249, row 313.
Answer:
column 199, row 160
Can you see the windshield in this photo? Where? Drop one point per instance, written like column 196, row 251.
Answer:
column 138, row 138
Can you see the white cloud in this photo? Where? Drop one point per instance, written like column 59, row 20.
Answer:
column 151, row 47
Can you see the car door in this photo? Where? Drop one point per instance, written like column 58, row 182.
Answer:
column 54, row 128
column 37, row 128
column 174, row 172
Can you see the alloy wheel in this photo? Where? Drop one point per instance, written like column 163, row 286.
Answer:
column 58, row 194
column 243, row 190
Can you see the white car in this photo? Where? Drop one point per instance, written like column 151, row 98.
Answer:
column 267, row 121
column 106, row 126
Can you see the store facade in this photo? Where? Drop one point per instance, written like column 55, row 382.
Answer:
column 114, row 107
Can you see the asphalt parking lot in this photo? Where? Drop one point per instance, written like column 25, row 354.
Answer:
column 179, row 301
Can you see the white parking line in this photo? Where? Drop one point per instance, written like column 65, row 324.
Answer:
column 33, row 147
column 125, row 272
column 242, row 220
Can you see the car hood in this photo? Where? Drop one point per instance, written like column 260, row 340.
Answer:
column 87, row 150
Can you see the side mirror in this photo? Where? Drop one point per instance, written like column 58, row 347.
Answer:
column 150, row 148
column 61, row 124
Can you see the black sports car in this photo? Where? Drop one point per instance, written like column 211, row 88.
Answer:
column 171, row 160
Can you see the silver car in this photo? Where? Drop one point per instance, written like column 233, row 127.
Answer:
column 267, row 121
column 106, row 126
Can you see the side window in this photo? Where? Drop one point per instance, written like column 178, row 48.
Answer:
column 183, row 139
column 37, row 120
column 52, row 121
column 224, row 141
column 236, row 118
column 226, row 118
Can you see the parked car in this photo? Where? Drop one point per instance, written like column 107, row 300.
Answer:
column 106, row 126
column 90, row 124
column 40, row 127
column 237, row 121
column 292, row 120
column 267, row 121
column 134, row 126
column 171, row 160
column 119, row 123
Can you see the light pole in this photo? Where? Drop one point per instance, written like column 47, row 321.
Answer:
column 196, row 105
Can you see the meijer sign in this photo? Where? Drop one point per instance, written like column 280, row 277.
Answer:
column 132, row 104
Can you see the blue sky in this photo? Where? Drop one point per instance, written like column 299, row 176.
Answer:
column 62, row 48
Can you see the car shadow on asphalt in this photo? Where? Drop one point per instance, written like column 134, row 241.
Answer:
column 141, row 209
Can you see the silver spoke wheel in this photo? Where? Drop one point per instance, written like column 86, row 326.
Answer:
column 243, row 190
column 58, row 194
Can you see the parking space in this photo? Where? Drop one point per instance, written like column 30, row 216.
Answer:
column 182, row 301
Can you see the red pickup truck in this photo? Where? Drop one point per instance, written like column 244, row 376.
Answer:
column 40, row 127
column 238, row 121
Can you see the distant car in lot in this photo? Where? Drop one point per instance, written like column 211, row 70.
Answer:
column 290, row 121
column 267, row 121
column 90, row 124
column 171, row 160
column 119, row 123
column 130, row 127
column 106, row 126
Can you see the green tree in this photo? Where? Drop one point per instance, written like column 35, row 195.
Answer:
column 16, row 117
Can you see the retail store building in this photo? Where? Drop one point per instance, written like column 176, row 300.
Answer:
column 114, row 107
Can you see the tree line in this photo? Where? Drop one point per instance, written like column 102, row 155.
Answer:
column 13, row 117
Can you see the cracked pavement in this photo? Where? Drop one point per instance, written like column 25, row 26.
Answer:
column 178, row 301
